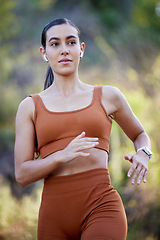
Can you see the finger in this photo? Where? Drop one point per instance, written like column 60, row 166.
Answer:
column 129, row 157
column 86, row 146
column 136, row 173
column 87, row 139
column 81, row 135
column 145, row 176
column 85, row 143
column 131, row 170
column 141, row 175
column 81, row 154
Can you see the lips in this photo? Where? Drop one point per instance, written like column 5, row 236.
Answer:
column 65, row 60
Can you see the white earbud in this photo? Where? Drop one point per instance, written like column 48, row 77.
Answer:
column 81, row 54
column 45, row 58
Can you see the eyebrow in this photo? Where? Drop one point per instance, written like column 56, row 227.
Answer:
column 55, row 38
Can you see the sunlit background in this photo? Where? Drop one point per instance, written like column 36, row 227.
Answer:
column 122, row 49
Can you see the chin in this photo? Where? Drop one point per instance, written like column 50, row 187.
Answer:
column 67, row 73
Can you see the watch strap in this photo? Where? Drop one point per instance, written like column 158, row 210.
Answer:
column 146, row 150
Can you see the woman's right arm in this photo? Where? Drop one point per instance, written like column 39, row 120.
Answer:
column 28, row 170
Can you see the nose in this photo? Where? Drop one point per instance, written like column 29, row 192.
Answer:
column 64, row 52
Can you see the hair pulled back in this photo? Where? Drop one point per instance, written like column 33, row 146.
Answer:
column 49, row 76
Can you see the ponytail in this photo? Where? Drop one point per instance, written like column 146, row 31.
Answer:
column 49, row 78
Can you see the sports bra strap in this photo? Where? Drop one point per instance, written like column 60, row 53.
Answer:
column 98, row 93
column 35, row 100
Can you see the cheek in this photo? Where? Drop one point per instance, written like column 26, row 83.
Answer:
column 76, row 54
column 76, row 50
column 51, row 52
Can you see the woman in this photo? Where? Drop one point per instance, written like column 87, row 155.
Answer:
column 71, row 123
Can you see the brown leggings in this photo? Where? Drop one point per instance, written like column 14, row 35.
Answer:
column 81, row 206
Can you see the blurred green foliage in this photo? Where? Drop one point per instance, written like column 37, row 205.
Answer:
column 122, row 49
column 18, row 219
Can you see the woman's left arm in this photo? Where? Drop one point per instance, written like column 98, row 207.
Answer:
column 139, row 167
column 124, row 116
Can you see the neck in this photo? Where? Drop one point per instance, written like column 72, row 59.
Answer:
column 66, row 85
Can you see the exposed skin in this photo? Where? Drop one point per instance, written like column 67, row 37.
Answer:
column 68, row 93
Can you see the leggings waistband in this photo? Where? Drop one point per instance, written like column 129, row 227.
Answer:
column 72, row 182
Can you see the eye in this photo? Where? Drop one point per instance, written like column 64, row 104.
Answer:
column 72, row 42
column 54, row 44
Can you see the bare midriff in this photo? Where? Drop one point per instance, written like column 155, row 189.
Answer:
column 97, row 159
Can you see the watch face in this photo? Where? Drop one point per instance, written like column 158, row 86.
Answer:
column 147, row 151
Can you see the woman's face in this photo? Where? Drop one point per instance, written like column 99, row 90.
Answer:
column 63, row 49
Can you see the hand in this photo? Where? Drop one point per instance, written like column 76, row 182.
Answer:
column 76, row 148
column 139, row 168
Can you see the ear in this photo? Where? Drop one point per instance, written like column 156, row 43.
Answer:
column 82, row 49
column 43, row 52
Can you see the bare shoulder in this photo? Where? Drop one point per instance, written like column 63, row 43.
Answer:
column 26, row 108
column 112, row 99
column 112, row 93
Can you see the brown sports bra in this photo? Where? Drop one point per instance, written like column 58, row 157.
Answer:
column 55, row 130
